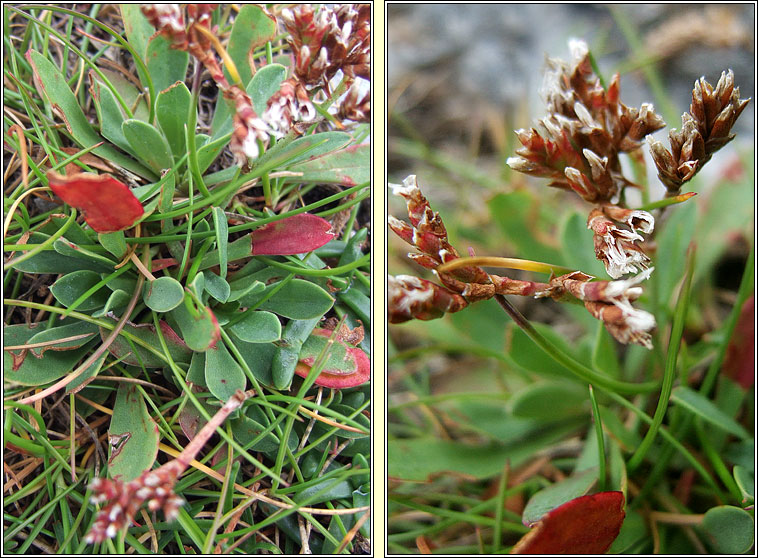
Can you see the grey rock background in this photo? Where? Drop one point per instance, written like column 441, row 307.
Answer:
column 454, row 67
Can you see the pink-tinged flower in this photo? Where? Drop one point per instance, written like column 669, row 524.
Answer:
column 122, row 500
column 288, row 105
column 609, row 302
column 108, row 205
column 248, row 128
column 327, row 40
column 354, row 106
column 410, row 297
column 616, row 247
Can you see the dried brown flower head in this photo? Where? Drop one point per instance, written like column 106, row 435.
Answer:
column 122, row 500
column 578, row 142
column 326, row 40
column 705, row 129
column 609, row 301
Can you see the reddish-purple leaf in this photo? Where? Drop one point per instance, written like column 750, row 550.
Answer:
column 584, row 525
column 298, row 234
column 108, row 205
column 352, row 371
column 739, row 364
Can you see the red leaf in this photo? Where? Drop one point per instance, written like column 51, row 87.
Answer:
column 338, row 379
column 584, row 525
column 298, row 234
column 739, row 363
column 108, row 205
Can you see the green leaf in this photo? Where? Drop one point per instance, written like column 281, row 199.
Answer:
column 252, row 28
column 672, row 250
column 258, row 357
column 223, row 375
column 113, row 242
column 121, row 346
column 149, row 144
column 298, row 300
column 549, row 401
column 604, row 357
column 217, row 287
column 264, row 84
column 22, row 368
column 349, row 167
column 133, row 435
column 522, row 350
column 172, row 110
column 76, row 329
column 199, row 329
column 258, row 327
column 222, row 237
column 57, row 93
column 558, row 494
column 731, row 529
column 245, row 430
column 745, row 482
column 419, row 458
column 73, row 285
column 49, row 261
column 633, row 531
column 578, row 246
column 163, row 294
column 518, row 215
column 324, row 490
column 166, row 65
column 70, row 250
column 117, row 299
column 245, row 286
column 705, row 409
column 137, row 27
column 110, row 116
column 303, row 148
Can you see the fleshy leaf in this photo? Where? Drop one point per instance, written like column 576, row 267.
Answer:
column 121, row 346
column 294, row 235
column 72, row 285
column 731, row 529
column 163, row 294
column 132, row 434
column 258, row 327
column 21, row 366
column 108, row 205
column 349, row 167
column 223, row 375
column 585, row 525
column 346, row 366
column 558, row 494
column 297, row 300
column 200, row 331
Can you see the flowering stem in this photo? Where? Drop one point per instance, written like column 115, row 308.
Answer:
column 667, row 201
column 508, row 263
column 677, row 328
column 586, row 374
column 228, row 62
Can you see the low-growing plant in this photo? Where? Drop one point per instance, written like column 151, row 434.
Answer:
column 187, row 279
column 668, row 448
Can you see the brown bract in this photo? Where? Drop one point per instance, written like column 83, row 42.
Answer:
column 108, row 205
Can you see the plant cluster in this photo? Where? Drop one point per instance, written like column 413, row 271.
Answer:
column 186, row 220
column 495, row 442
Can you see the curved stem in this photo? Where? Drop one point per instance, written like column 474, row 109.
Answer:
column 586, row 374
